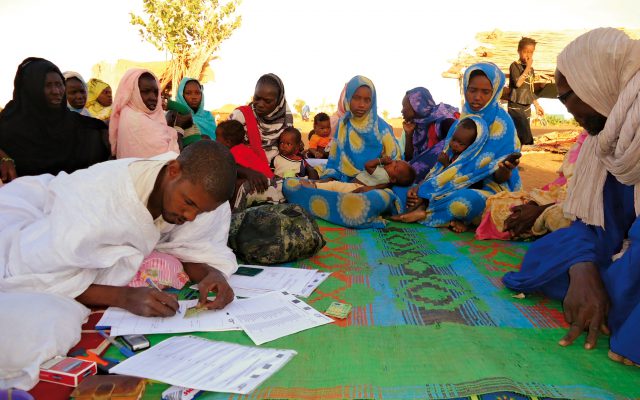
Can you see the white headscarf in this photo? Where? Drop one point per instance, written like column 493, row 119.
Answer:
column 602, row 67
column 73, row 74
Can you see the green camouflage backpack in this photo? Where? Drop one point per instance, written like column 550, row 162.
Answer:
column 274, row 233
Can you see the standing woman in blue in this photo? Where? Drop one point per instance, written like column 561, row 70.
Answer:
column 190, row 94
column 361, row 134
column 456, row 198
column 589, row 265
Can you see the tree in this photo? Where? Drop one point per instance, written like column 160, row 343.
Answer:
column 190, row 30
column 299, row 103
column 385, row 114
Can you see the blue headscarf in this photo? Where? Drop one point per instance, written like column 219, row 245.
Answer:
column 503, row 139
column 358, row 140
column 202, row 118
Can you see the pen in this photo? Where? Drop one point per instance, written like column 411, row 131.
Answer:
column 153, row 285
column 123, row 350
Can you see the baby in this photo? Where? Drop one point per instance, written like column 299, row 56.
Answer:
column 379, row 173
column 320, row 136
column 289, row 163
column 463, row 137
column 231, row 134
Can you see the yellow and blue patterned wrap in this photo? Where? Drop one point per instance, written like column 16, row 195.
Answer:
column 358, row 140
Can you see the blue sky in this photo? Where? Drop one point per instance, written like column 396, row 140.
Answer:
column 314, row 46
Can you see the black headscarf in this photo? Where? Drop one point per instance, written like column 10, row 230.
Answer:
column 45, row 140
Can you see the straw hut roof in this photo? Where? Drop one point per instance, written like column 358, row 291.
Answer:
column 501, row 48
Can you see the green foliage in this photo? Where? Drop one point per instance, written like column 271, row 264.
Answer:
column 298, row 105
column 190, row 30
column 557, row 119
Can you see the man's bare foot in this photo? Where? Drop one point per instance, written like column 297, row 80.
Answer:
column 618, row 358
column 458, row 226
column 307, row 184
column 416, row 215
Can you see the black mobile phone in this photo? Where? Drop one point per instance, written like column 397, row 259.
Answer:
column 135, row 342
column 513, row 157
column 248, row 271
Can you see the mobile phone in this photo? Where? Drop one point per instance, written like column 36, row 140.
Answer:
column 135, row 342
column 513, row 157
column 248, row 271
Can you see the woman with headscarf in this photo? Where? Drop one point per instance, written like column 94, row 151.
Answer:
column 190, row 94
column 99, row 99
column 39, row 134
column 263, row 119
column 361, row 134
column 457, row 197
column 594, row 264
column 138, row 127
column 425, row 125
column 76, row 91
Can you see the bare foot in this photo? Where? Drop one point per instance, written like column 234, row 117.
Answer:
column 458, row 226
column 416, row 215
column 618, row 358
column 307, row 184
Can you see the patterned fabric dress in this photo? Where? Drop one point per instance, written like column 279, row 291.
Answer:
column 358, row 140
column 461, row 194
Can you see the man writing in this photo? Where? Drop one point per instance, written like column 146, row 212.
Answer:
column 84, row 235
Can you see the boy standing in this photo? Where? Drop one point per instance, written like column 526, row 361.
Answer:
column 521, row 96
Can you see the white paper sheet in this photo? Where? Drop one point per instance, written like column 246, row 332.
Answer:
column 301, row 282
column 204, row 364
column 123, row 322
column 274, row 315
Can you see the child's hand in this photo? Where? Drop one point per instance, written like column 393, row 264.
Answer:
column 385, row 160
column 362, row 189
column 539, row 110
column 443, row 159
column 529, row 62
column 408, row 127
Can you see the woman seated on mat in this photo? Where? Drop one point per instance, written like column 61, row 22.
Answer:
column 425, row 125
column 522, row 215
column 138, row 127
column 190, row 94
column 39, row 134
column 99, row 99
column 361, row 135
column 264, row 119
column 76, row 91
column 455, row 196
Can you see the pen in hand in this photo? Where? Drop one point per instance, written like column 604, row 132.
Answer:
column 153, row 285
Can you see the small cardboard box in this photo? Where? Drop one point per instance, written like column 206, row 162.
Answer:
column 67, row 371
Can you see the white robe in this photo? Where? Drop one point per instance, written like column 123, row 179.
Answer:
column 60, row 234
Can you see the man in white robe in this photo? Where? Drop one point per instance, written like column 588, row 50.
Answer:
column 84, row 235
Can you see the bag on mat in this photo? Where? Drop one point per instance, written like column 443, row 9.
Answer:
column 274, row 233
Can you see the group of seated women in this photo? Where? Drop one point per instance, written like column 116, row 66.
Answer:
column 441, row 169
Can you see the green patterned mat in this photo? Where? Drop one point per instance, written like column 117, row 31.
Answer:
column 430, row 319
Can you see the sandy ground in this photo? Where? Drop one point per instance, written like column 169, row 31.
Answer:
column 536, row 168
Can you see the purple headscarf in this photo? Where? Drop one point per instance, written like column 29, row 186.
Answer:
column 427, row 112
column 426, row 149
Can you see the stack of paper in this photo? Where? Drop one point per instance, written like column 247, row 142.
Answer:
column 123, row 322
column 301, row 282
column 274, row 315
column 203, row 364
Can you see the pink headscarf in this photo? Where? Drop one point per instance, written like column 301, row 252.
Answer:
column 135, row 130
column 333, row 120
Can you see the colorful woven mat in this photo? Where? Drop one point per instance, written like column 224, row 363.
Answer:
column 430, row 319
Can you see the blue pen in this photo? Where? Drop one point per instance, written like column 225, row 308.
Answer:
column 123, row 350
column 153, row 285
